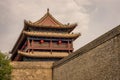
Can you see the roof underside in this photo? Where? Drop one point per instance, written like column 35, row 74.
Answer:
column 51, row 34
column 50, row 26
column 44, row 54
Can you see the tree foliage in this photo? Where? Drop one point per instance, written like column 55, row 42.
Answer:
column 5, row 68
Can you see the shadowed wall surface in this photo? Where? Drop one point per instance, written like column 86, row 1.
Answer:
column 98, row 60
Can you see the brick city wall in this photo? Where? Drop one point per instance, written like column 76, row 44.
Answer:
column 32, row 70
column 98, row 60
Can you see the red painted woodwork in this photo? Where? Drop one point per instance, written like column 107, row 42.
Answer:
column 44, row 48
column 23, row 47
column 49, row 45
column 28, row 44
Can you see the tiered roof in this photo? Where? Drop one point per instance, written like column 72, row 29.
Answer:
column 46, row 22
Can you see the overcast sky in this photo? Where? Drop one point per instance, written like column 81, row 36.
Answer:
column 94, row 17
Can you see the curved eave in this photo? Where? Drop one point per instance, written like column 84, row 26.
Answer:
column 44, row 54
column 52, row 35
column 17, row 44
column 30, row 24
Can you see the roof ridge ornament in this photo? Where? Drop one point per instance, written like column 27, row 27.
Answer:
column 47, row 10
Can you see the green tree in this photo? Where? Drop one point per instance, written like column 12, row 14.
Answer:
column 5, row 67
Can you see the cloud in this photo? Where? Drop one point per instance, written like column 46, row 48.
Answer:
column 15, row 11
column 103, row 15
column 94, row 17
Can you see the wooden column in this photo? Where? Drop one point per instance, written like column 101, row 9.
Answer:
column 28, row 45
column 68, row 46
column 32, row 45
column 72, row 43
column 51, row 45
column 24, row 46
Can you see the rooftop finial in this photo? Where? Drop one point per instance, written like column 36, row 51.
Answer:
column 47, row 9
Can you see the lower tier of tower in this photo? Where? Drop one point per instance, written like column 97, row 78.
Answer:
column 40, row 56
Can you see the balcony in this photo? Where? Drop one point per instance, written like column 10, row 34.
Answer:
column 36, row 45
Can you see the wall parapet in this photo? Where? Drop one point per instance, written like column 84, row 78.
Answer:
column 32, row 70
column 100, row 40
column 31, row 65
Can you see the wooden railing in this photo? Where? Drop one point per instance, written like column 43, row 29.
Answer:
column 47, row 46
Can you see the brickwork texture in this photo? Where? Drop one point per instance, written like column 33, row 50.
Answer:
column 32, row 70
column 98, row 60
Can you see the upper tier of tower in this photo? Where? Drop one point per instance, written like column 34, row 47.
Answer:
column 49, row 22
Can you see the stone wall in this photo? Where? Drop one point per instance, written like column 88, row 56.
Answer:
column 32, row 70
column 98, row 60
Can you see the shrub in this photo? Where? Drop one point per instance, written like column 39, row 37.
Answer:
column 5, row 67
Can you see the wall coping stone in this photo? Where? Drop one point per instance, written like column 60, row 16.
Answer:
column 100, row 40
column 31, row 65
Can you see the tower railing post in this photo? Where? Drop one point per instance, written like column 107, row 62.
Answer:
column 51, row 46
column 32, row 45
column 28, row 45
